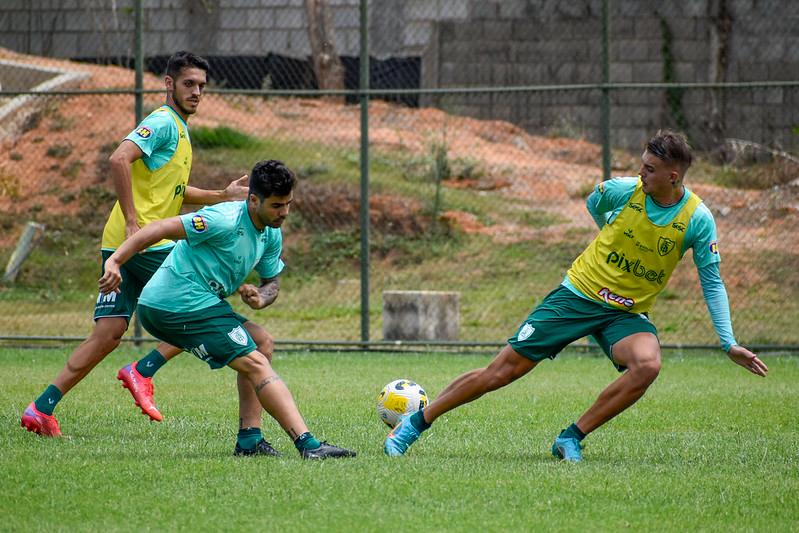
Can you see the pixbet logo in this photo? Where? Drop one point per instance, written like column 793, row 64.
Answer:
column 612, row 297
column 635, row 268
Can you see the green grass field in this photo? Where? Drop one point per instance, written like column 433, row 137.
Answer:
column 709, row 448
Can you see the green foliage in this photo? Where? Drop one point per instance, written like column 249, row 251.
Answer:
column 673, row 94
column 674, row 458
column 59, row 151
column 219, row 137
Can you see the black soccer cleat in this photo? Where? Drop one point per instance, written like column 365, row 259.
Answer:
column 262, row 448
column 325, row 451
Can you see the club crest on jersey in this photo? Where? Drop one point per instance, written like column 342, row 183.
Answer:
column 238, row 335
column 525, row 332
column 198, row 223
column 665, row 246
column 144, row 132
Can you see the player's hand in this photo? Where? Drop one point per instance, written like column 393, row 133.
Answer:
column 131, row 228
column 250, row 296
column 238, row 189
column 111, row 277
column 748, row 360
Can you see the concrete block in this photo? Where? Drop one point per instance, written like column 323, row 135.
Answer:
column 421, row 315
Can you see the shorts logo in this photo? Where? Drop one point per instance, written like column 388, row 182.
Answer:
column 144, row 132
column 714, row 248
column 198, row 223
column 525, row 332
column 111, row 297
column 200, row 352
column 238, row 335
column 601, row 188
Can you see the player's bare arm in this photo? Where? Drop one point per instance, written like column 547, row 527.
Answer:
column 169, row 228
column 125, row 154
column 262, row 296
column 237, row 190
column 748, row 360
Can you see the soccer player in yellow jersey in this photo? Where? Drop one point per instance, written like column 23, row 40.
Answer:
column 150, row 171
column 647, row 223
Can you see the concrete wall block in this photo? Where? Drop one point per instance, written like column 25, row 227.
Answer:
column 417, row 34
column 648, row 72
column 513, row 9
column 69, row 41
column 231, row 19
column 346, row 17
column 161, row 20
column 497, row 30
column 298, row 44
column 275, row 40
column 621, row 73
column 484, row 10
column 259, row 19
column 631, row 50
column 291, row 18
column 769, row 96
column 531, row 73
column 421, row 315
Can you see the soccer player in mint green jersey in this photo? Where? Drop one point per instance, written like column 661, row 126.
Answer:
column 150, row 172
column 646, row 226
column 184, row 303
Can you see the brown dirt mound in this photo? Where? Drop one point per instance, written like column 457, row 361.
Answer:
column 58, row 162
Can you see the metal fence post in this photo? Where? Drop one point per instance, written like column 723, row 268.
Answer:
column 364, row 74
column 605, row 103
column 139, row 66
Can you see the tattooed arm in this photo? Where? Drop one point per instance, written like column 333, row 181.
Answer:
column 260, row 297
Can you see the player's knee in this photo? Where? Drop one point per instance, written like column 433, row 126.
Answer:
column 106, row 339
column 263, row 340
column 646, row 367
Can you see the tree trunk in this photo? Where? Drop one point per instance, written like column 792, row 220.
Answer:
column 326, row 61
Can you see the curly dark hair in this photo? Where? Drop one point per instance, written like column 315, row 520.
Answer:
column 184, row 59
column 271, row 177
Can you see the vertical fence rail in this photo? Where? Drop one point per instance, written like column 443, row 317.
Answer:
column 470, row 135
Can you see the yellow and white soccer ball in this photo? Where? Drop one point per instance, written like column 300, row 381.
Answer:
column 401, row 396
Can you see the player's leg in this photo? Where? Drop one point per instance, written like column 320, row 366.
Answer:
column 249, row 440
column 105, row 337
column 506, row 367
column 630, row 341
column 640, row 353
column 276, row 399
column 137, row 376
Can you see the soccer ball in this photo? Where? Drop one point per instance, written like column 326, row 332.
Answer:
column 401, row 396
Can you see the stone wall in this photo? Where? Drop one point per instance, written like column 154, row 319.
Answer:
column 489, row 43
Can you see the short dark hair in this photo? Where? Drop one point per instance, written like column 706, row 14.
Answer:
column 271, row 178
column 184, row 59
column 672, row 148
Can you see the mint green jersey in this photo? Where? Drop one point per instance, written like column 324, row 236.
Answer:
column 221, row 247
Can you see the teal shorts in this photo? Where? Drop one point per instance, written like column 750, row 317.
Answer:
column 136, row 272
column 214, row 334
column 563, row 317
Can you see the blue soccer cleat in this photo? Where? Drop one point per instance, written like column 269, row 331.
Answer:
column 568, row 449
column 401, row 437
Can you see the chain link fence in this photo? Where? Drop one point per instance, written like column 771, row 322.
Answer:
column 485, row 134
